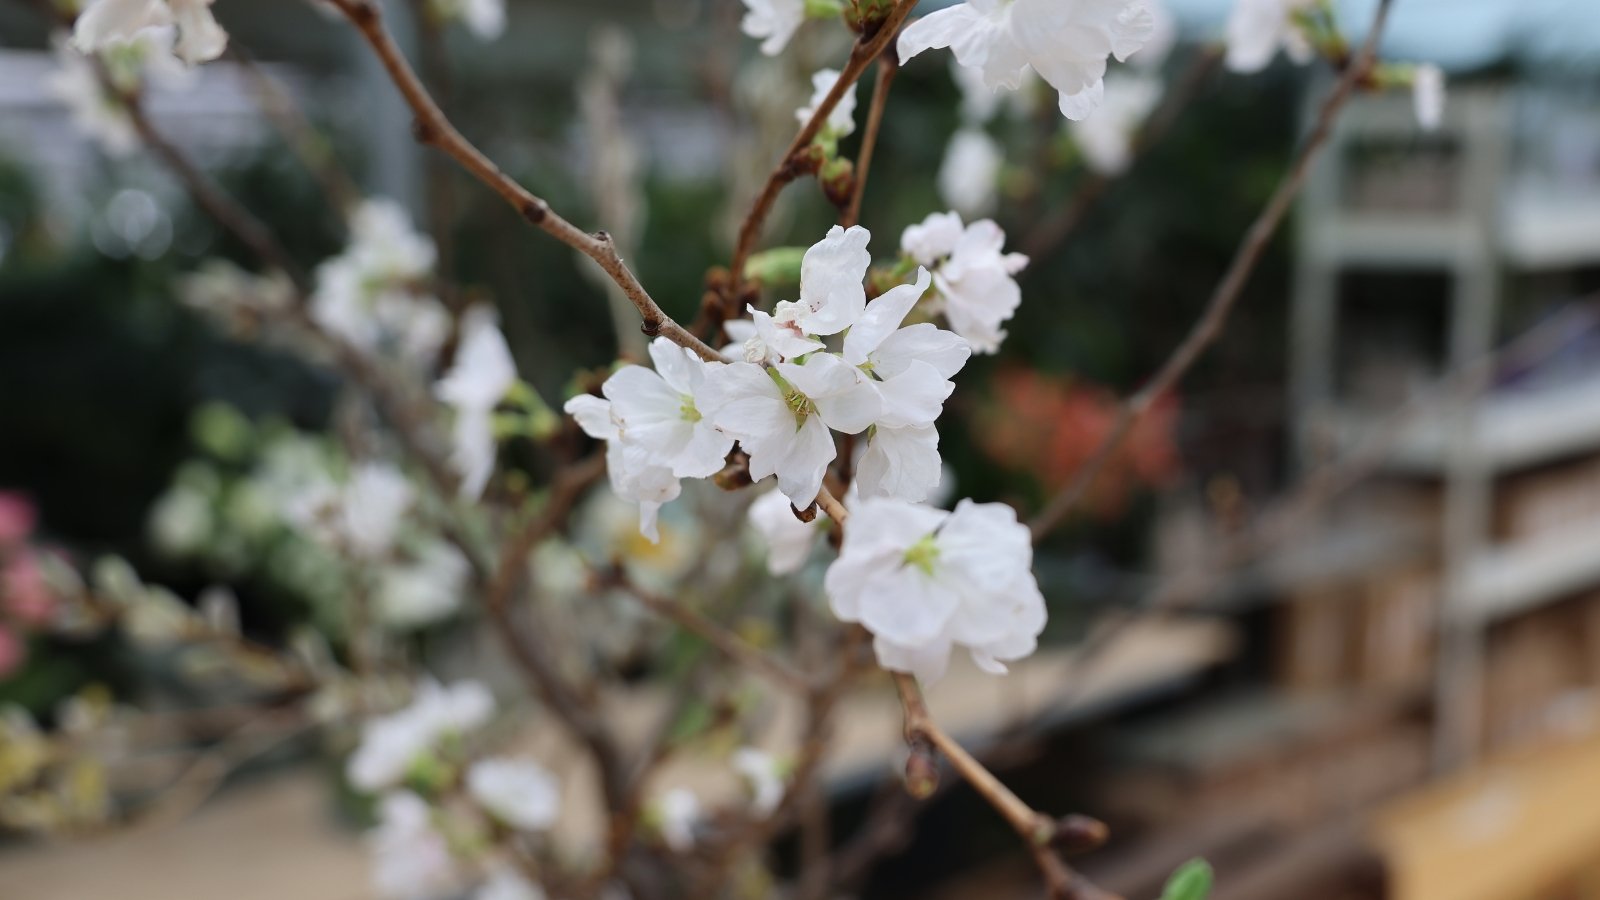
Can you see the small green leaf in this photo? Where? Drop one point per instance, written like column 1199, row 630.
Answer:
column 1192, row 881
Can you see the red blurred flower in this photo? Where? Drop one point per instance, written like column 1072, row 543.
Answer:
column 1050, row 427
column 13, row 652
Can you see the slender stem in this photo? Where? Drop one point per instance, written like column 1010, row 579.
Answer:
column 726, row 642
column 301, row 137
column 888, row 68
column 1036, row 829
column 1060, row 225
column 436, row 74
column 1215, row 316
column 433, row 128
column 865, row 50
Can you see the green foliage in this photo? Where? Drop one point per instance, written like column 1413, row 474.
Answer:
column 1192, row 881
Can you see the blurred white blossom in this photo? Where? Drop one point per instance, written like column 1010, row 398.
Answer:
column 1428, row 94
column 392, row 744
column 1258, row 29
column 773, row 22
column 410, row 859
column 482, row 375
column 1106, row 139
column 764, row 777
column 518, row 792
column 969, row 175
column 841, row 120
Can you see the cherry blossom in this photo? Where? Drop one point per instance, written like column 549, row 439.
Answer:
column 974, row 278
column 1066, row 43
column 677, row 815
column 1106, row 139
column 900, row 462
column 789, row 541
column 842, row 118
column 423, row 590
column 391, row 744
column 763, row 776
column 635, row 475
column 361, row 516
column 369, row 295
column 411, row 860
column 773, row 22
column 1258, row 29
column 911, row 367
column 518, row 792
column 482, row 375
column 781, row 416
column 99, row 112
column 924, row 581
column 106, row 24
column 969, row 176
column 486, row 19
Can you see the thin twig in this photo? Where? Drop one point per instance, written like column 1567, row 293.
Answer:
column 1215, row 316
column 862, row 53
column 1044, row 238
column 301, row 137
column 434, row 129
column 888, row 68
column 726, row 642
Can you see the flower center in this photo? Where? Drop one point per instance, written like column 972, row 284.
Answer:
column 923, row 554
column 686, row 410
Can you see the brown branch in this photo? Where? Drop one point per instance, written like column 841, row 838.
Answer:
column 434, row 129
column 435, row 61
column 1215, row 316
column 726, row 642
column 1064, row 222
column 866, row 48
column 888, row 68
column 1038, row 831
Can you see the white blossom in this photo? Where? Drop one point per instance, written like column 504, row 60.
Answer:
column 1258, row 29
column 789, row 541
column 911, row 367
column 1066, row 43
column 764, row 777
column 423, row 590
column 969, row 176
column 480, row 378
column 773, row 22
column 369, row 294
column 518, row 792
column 98, row 113
column 654, row 428
column 506, row 883
column 677, row 815
column 842, row 118
column 1106, row 139
column 1428, row 93
column 974, row 278
column 411, row 860
column 781, row 416
column 635, row 475
column 391, row 744
column 1163, row 37
column 832, row 289
column 486, row 19
column 924, row 581
column 360, row 517
column 106, row 23
column 900, row 462
column 200, row 38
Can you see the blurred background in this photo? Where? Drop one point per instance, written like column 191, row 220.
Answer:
column 1332, row 620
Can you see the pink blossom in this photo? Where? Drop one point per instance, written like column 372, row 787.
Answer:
column 23, row 595
column 16, row 518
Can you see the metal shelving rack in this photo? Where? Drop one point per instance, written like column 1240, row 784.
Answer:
column 1489, row 232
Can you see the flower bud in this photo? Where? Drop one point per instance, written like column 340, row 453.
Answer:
column 838, row 180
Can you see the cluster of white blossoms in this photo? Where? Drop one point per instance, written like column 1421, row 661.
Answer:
column 401, row 758
column 974, row 276
column 925, row 581
column 106, row 24
column 416, row 582
column 374, row 295
column 831, row 362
